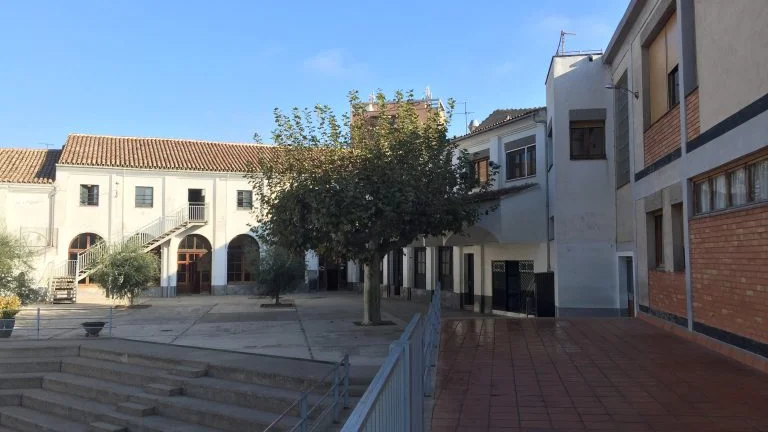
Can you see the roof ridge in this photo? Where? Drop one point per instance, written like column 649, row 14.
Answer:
column 172, row 139
column 28, row 149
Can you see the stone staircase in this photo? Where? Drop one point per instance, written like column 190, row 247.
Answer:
column 116, row 386
column 62, row 279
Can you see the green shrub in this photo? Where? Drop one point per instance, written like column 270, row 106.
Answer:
column 126, row 273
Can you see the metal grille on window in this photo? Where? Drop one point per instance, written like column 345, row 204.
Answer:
column 527, row 288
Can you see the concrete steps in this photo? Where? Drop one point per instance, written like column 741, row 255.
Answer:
column 126, row 386
column 91, row 411
column 29, row 365
column 26, row 420
column 183, row 408
column 12, row 381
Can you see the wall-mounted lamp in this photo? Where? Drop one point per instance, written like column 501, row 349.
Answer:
column 615, row 87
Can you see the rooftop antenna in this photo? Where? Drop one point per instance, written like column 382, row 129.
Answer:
column 561, row 45
column 466, row 116
column 428, row 94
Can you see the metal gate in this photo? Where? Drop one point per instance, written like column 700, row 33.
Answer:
column 514, row 286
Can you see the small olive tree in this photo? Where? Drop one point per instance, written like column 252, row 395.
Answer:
column 15, row 267
column 126, row 273
column 279, row 270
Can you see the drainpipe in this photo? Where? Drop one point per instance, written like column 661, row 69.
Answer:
column 546, row 189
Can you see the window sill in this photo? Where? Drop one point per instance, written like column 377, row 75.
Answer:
column 595, row 158
column 520, row 178
column 144, row 206
column 245, row 208
column 747, row 206
column 89, row 205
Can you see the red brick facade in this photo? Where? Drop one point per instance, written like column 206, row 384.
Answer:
column 662, row 137
column 692, row 114
column 729, row 271
column 666, row 292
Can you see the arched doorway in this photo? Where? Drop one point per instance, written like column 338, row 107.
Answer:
column 79, row 244
column 193, row 272
column 238, row 268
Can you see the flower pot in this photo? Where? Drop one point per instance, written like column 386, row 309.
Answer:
column 6, row 327
column 93, row 328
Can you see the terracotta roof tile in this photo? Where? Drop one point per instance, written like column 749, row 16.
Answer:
column 498, row 118
column 162, row 153
column 28, row 165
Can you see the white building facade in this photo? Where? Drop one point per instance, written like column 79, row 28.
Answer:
column 186, row 201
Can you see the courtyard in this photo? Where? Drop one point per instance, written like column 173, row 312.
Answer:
column 589, row 374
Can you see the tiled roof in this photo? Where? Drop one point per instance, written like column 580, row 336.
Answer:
column 500, row 117
column 162, row 153
column 28, row 165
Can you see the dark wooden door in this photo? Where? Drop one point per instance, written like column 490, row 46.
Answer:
column 469, row 279
column 445, row 267
column 420, row 268
column 193, row 274
column 397, row 270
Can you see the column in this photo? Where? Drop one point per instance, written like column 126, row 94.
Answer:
column 431, row 267
column 458, row 279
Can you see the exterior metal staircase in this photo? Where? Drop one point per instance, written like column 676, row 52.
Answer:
column 63, row 278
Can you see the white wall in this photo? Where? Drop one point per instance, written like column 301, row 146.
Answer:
column 25, row 210
column 584, row 194
column 117, row 216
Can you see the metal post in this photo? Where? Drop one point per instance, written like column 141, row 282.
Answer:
column 406, row 384
column 38, row 323
column 303, row 413
column 336, row 394
column 346, row 381
column 110, row 321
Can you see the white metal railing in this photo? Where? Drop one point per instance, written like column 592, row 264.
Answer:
column 312, row 418
column 394, row 401
column 88, row 258
column 47, row 323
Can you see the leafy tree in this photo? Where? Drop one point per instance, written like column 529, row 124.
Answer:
column 126, row 272
column 361, row 185
column 279, row 270
column 15, row 267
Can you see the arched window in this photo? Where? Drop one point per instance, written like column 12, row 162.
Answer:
column 238, row 268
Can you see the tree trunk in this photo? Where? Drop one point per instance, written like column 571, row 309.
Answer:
column 372, row 293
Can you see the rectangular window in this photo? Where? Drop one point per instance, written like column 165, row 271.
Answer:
column 758, row 181
column 480, row 169
column 703, row 193
column 673, row 88
column 521, row 162
column 89, row 195
column 658, row 239
column 720, row 192
column 244, row 199
column 737, row 180
column 744, row 185
column 587, row 140
column 144, row 196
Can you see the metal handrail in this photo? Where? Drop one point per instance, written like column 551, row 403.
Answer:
column 395, row 398
column 305, row 411
column 39, row 319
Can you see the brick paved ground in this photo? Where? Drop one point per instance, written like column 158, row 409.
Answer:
column 589, row 374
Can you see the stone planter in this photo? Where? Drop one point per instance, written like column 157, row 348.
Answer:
column 6, row 327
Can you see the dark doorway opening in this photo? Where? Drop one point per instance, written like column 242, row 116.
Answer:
column 513, row 286
column 469, row 280
column 195, row 196
column 193, row 271
column 333, row 275
column 396, row 271
column 420, row 268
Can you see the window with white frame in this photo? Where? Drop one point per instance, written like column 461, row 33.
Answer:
column 521, row 162
column 734, row 187
column 244, row 199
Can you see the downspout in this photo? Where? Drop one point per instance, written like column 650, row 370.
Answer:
column 546, row 189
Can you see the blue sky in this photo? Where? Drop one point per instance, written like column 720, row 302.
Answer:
column 216, row 70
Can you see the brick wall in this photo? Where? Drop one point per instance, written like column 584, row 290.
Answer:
column 662, row 137
column 692, row 114
column 666, row 292
column 729, row 271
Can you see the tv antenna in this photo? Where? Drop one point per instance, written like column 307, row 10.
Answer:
column 466, row 116
column 561, row 45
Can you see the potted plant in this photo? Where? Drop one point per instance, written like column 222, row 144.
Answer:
column 9, row 307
